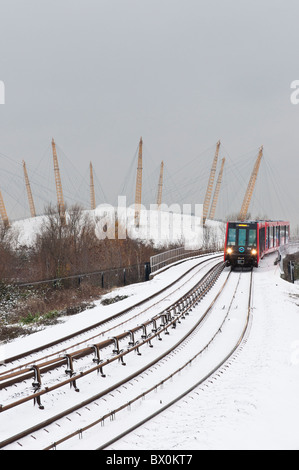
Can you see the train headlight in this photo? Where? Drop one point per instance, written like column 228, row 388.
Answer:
column 253, row 251
column 229, row 251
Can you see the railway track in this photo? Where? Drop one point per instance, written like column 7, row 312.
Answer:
column 167, row 318
column 65, row 354
column 204, row 370
column 123, row 394
column 15, row 362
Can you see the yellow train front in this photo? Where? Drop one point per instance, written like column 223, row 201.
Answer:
column 247, row 242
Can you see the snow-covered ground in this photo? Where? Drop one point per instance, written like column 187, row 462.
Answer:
column 253, row 404
column 134, row 294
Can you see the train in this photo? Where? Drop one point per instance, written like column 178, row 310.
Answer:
column 247, row 242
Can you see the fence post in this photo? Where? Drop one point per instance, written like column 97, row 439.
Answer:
column 291, row 270
column 147, row 271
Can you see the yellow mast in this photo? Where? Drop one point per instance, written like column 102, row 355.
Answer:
column 3, row 212
column 210, row 185
column 138, row 185
column 60, row 199
column 92, row 192
column 250, row 187
column 217, row 190
column 29, row 193
column 160, row 186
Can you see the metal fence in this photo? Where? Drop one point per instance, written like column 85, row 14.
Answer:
column 287, row 250
column 171, row 256
column 106, row 279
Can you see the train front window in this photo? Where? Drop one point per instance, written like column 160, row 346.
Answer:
column 242, row 237
column 252, row 237
column 231, row 239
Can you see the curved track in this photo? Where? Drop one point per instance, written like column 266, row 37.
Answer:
column 125, row 394
column 203, row 357
column 167, row 318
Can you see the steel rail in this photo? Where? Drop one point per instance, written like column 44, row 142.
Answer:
column 16, row 374
column 194, row 386
column 102, row 322
column 194, row 301
column 112, row 414
column 64, row 413
column 216, row 270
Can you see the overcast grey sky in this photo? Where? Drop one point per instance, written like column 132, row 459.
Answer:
column 98, row 74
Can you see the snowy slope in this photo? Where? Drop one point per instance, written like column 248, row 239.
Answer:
column 160, row 227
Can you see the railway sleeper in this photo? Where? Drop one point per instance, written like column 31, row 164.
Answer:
column 177, row 313
column 118, row 352
column 132, row 341
column 37, row 378
column 173, row 312
column 171, row 317
column 177, row 309
column 145, row 334
column 37, row 385
column 70, row 371
column 121, row 359
column 183, row 310
column 164, row 322
column 97, row 358
column 187, row 304
column 182, row 315
column 193, row 301
column 155, row 328
column 37, row 400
